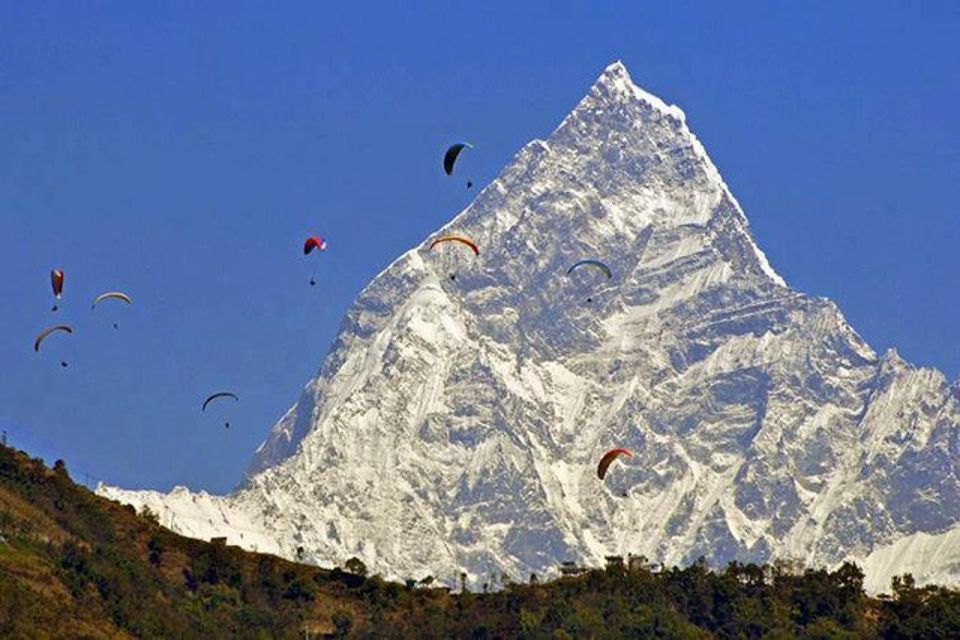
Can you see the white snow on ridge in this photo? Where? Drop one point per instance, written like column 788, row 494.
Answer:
column 456, row 423
column 200, row 515
column 931, row 559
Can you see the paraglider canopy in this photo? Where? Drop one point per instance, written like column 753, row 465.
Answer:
column 114, row 295
column 608, row 459
column 461, row 239
column 596, row 264
column 450, row 157
column 56, row 281
column 314, row 242
column 217, row 396
column 46, row 332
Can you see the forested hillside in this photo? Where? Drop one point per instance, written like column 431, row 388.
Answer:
column 76, row 565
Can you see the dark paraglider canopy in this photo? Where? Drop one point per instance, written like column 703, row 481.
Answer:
column 450, row 157
column 596, row 264
column 217, row 396
column 608, row 459
column 46, row 332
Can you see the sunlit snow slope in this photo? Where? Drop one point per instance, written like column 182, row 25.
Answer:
column 456, row 423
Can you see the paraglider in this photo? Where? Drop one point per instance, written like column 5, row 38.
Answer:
column 608, row 459
column 115, row 295
column 459, row 239
column 596, row 264
column 453, row 152
column 111, row 295
column 217, row 396
column 46, row 332
column 314, row 243
column 56, row 282
column 591, row 263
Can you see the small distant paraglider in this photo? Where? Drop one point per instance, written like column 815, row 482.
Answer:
column 596, row 264
column 46, row 332
column 310, row 244
column 56, row 282
column 467, row 242
column 111, row 295
column 608, row 459
column 591, row 263
column 114, row 295
column 314, row 242
column 450, row 158
column 218, row 396
column 461, row 239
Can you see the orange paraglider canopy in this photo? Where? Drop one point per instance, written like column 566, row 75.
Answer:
column 461, row 239
column 608, row 459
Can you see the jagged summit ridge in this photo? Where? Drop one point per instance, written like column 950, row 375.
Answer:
column 456, row 423
column 615, row 89
column 615, row 84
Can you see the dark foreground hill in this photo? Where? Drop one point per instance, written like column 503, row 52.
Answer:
column 75, row 565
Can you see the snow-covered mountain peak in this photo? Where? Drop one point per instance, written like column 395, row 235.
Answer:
column 645, row 145
column 456, row 422
column 616, row 85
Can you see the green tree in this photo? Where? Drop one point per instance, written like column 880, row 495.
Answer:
column 356, row 567
column 148, row 514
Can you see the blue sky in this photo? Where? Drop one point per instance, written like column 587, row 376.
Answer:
column 182, row 153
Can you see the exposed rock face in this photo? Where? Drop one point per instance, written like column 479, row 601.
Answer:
column 456, row 423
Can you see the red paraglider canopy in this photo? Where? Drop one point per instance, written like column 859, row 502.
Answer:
column 314, row 242
column 56, row 281
column 608, row 458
